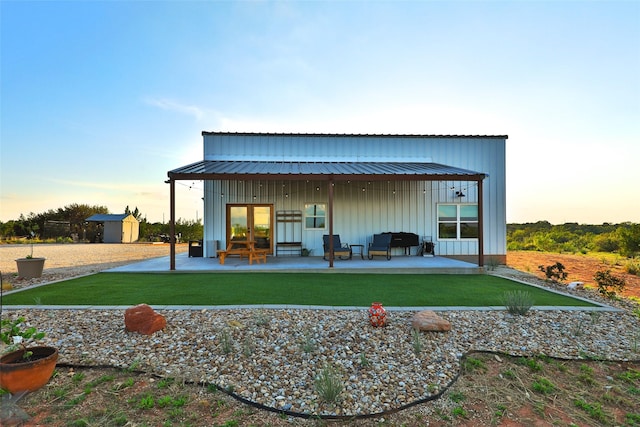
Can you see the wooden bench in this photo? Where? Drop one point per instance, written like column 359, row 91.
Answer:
column 257, row 255
column 222, row 254
column 289, row 247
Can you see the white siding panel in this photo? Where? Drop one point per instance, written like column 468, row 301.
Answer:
column 313, row 148
column 358, row 214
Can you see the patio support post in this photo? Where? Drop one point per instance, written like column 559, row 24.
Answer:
column 330, row 213
column 480, row 225
column 172, row 224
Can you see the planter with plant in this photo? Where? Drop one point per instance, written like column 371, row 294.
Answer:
column 30, row 267
column 24, row 368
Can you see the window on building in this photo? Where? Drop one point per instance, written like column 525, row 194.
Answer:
column 315, row 215
column 457, row 222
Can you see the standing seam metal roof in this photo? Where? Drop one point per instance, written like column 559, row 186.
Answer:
column 217, row 167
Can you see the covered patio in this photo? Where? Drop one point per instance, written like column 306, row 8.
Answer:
column 329, row 172
column 397, row 265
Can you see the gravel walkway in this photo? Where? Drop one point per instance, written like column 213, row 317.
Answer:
column 272, row 357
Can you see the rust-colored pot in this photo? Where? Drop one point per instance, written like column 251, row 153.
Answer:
column 17, row 375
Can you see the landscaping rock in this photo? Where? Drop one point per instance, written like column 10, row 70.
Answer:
column 575, row 285
column 143, row 319
column 429, row 321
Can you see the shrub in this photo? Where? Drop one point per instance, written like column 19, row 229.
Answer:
column 633, row 267
column 554, row 272
column 543, row 385
column 226, row 342
column 517, row 302
column 308, row 344
column 328, row 384
column 595, row 411
column 471, row 364
column 608, row 284
column 416, row 338
column 459, row 411
column 363, row 360
column 17, row 335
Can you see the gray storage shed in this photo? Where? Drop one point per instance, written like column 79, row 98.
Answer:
column 117, row 228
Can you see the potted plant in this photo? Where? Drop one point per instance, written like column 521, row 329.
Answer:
column 30, row 267
column 24, row 368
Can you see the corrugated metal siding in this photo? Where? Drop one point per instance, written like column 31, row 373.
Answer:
column 358, row 214
column 382, row 206
column 315, row 148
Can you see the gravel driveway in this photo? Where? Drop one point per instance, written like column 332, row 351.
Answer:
column 70, row 260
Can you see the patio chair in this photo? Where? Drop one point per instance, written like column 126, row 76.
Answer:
column 381, row 245
column 340, row 250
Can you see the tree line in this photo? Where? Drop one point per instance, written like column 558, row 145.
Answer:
column 68, row 224
column 572, row 237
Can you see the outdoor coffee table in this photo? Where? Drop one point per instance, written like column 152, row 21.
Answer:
column 361, row 247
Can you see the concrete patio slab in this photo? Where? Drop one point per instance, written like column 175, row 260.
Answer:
column 397, row 265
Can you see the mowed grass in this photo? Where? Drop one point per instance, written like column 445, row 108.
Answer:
column 405, row 290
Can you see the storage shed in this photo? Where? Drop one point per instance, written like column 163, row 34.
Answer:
column 117, row 228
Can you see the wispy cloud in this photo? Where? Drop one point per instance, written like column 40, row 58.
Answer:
column 170, row 105
column 104, row 186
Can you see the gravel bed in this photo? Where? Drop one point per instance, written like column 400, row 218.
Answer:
column 272, row 357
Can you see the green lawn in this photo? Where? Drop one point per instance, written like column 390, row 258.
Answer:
column 403, row 290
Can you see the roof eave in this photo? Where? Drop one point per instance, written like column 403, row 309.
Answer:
column 326, row 177
column 349, row 135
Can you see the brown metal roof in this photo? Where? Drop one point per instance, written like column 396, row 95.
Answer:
column 288, row 170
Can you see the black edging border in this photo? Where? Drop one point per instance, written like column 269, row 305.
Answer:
column 346, row 417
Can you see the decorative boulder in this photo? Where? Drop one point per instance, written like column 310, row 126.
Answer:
column 143, row 319
column 429, row 321
column 575, row 285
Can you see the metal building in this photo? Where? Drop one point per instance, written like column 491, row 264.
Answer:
column 284, row 191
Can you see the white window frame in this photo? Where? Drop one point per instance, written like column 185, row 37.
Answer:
column 458, row 221
column 324, row 206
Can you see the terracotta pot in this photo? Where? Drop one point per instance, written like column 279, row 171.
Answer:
column 30, row 267
column 17, row 376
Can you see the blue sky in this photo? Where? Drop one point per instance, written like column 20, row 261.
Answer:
column 100, row 99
